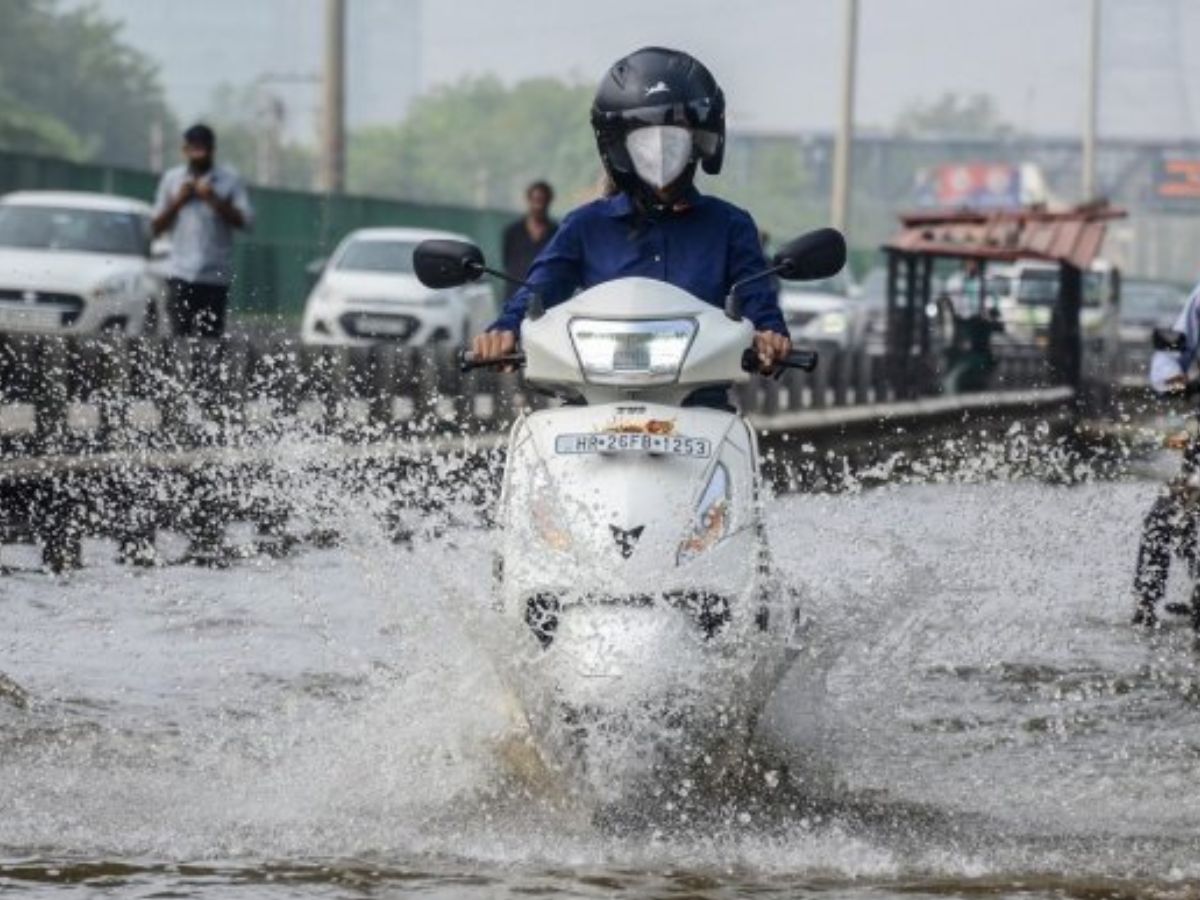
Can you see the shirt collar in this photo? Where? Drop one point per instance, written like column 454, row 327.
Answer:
column 620, row 205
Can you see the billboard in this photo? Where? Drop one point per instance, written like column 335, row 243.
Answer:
column 1177, row 179
column 979, row 185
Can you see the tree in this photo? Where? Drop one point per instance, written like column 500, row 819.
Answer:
column 954, row 116
column 479, row 143
column 69, row 86
column 27, row 131
column 769, row 176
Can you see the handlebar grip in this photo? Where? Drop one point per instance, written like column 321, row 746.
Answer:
column 805, row 360
column 467, row 361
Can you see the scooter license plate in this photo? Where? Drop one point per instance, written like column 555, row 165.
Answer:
column 636, row 442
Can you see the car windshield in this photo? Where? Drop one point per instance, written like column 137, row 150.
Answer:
column 1040, row 288
column 377, row 256
column 77, row 230
column 1148, row 299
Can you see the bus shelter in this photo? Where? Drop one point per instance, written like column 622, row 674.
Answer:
column 1071, row 238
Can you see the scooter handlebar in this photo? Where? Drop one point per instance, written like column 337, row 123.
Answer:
column 467, row 361
column 1190, row 389
column 804, row 360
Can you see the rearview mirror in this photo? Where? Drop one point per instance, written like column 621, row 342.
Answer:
column 446, row 263
column 316, row 268
column 811, row 257
column 1169, row 339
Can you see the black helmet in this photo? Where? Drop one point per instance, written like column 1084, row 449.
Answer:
column 657, row 86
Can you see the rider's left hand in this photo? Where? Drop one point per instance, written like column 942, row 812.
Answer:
column 771, row 347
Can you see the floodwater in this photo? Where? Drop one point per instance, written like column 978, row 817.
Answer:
column 984, row 722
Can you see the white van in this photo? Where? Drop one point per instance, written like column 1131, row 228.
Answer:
column 1026, row 291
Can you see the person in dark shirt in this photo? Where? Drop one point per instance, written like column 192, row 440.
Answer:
column 658, row 114
column 525, row 238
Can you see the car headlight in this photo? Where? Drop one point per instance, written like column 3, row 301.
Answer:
column 114, row 287
column 833, row 323
column 635, row 353
column 712, row 517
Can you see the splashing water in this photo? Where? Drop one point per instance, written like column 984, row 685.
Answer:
column 973, row 714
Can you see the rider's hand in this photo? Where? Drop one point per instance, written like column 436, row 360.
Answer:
column 1179, row 440
column 770, row 347
column 493, row 345
column 1176, row 384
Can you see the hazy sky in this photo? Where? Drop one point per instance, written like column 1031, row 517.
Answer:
column 778, row 59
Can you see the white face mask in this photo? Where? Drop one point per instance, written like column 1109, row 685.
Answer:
column 659, row 153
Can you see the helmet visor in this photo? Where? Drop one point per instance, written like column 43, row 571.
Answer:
column 697, row 116
column 659, row 153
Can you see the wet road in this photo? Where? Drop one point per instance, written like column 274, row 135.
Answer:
column 323, row 726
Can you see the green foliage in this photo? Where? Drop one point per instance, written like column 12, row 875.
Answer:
column 26, row 131
column 68, row 86
column 479, row 143
column 768, row 177
column 954, row 116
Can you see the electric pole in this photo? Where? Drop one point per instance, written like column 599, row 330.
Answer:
column 333, row 111
column 840, row 209
column 1093, row 98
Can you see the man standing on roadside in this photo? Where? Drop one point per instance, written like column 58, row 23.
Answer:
column 525, row 238
column 201, row 204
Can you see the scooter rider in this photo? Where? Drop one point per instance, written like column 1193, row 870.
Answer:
column 1173, row 518
column 658, row 114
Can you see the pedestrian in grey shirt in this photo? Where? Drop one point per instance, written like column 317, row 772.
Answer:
column 201, row 204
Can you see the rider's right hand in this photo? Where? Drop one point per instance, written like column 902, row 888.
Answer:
column 1176, row 384
column 493, row 345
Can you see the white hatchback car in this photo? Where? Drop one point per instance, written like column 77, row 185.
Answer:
column 77, row 263
column 367, row 293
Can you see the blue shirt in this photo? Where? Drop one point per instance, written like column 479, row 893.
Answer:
column 703, row 249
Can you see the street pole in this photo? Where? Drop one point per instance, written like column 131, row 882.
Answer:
column 840, row 208
column 1093, row 96
column 333, row 123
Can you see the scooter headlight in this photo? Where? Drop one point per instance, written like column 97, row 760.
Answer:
column 632, row 353
column 712, row 517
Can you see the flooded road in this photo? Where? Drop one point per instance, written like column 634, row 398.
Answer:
column 980, row 721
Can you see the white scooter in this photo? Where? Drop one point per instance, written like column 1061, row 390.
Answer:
column 634, row 567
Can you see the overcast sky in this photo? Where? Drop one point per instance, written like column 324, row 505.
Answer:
column 778, row 59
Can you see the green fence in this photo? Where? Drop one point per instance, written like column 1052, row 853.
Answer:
column 292, row 228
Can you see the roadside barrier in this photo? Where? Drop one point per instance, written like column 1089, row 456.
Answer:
column 122, row 436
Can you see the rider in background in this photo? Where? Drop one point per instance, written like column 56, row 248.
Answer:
column 658, row 114
column 1173, row 518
